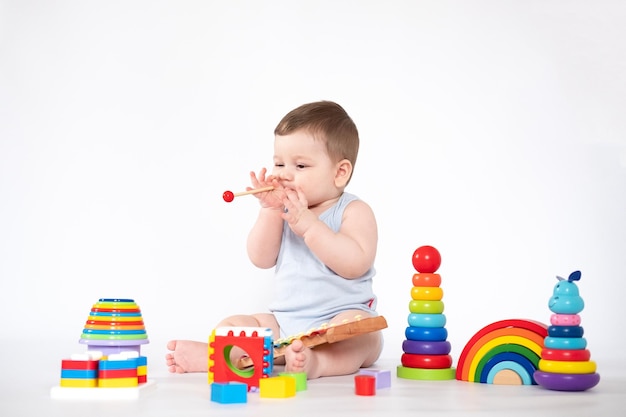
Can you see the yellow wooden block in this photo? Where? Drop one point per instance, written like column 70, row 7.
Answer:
column 142, row 370
column 79, row 382
column 117, row 382
column 277, row 387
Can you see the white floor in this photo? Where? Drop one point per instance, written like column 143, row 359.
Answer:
column 29, row 377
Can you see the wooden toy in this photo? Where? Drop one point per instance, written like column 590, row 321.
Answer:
column 426, row 350
column 229, row 196
column 565, row 363
column 325, row 334
column 504, row 352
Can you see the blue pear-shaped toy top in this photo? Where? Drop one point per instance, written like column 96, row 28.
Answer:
column 565, row 298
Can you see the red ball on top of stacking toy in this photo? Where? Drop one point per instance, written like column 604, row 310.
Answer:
column 426, row 259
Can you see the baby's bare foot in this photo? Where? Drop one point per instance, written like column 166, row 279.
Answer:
column 187, row 356
column 299, row 358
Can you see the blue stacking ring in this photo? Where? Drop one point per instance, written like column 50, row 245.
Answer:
column 426, row 333
column 427, row 320
column 109, row 314
column 565, row 331
column 571, row 343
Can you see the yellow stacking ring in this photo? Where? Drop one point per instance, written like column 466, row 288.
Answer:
column 427, row 293
column 567, row 367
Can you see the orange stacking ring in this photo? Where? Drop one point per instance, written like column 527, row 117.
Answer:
column 113, row 323
column 125, row 319
column 426, row 280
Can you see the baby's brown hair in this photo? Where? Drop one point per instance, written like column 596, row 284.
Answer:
column 327, row 121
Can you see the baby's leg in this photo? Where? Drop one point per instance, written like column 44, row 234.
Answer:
column 187, row 356
column 192, row 356
column 341, row 358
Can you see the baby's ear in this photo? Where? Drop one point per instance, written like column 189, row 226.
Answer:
column 343, row 173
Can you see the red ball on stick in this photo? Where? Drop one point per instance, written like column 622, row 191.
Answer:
column 228, row 196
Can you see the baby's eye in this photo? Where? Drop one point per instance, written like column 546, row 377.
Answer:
column 300, row 166
column 279, row 165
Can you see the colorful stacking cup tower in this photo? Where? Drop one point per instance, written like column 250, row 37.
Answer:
column 564, row 363
column 114, row 325
column 426, row 349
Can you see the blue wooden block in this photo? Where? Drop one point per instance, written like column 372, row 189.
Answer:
column 229, row 392
column 79, row 373
column 108, row 365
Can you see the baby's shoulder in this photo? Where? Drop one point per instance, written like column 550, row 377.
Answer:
column 358, row 207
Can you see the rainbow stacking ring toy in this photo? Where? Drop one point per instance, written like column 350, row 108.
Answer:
column 565, row 363
column 114, row 325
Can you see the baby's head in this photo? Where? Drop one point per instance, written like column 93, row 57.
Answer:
column 326, row 121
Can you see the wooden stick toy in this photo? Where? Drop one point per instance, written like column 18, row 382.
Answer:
column 325, row 334
column 230, row 196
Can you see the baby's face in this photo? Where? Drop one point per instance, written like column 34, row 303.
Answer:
column 302, row 161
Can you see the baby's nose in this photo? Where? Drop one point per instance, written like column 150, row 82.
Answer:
column 285, row 175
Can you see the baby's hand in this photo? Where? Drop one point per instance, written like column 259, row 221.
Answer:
column 268, row 199
column 297, row 213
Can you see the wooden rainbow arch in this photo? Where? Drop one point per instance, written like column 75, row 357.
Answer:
column 504, row 352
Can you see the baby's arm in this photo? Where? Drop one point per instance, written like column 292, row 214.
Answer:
column 265, row 237
column 351, row 251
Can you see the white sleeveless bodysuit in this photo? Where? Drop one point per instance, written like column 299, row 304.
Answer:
column 307, row 293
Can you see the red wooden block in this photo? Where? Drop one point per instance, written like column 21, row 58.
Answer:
column 71, row 364
column 365, row 385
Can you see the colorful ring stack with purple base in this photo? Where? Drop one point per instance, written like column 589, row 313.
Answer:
column 114, row 325
column 426, row 348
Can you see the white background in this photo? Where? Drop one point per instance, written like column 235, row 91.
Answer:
column 492, row 130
